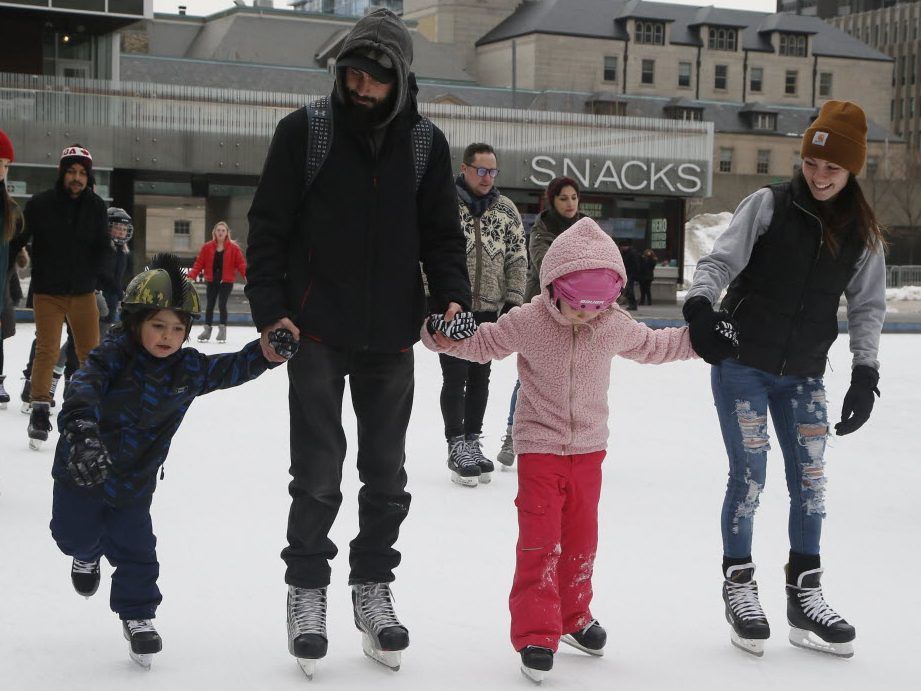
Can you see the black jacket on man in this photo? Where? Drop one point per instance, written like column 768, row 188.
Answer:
column 342, row 260
column 69, row 239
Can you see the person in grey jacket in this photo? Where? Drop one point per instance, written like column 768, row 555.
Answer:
column 789, row 254
column 497, row 264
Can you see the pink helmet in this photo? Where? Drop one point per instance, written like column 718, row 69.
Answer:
column 589, row 289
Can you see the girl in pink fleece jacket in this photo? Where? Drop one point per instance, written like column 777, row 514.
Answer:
column 565, row 339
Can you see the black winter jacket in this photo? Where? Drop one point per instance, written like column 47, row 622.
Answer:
column 69, row 239
column 342, row 261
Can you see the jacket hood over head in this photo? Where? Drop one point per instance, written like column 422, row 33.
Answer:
column 381, row 36
column 583, row 246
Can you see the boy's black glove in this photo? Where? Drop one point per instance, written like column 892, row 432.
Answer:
column 462, row 326
column 88, row 463
column 858, row 401
column 283, row 343
column 714, row 335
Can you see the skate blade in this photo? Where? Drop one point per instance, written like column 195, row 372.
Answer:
column 752, row 646
column 388, row 658
column 36, row 444
column 25, row 408
column 308, row 666
column 464, row 481
column 142, row 659
column 569, row 640
column 2, row 406
column 485, row 478
column 535, row 675
column 802, row 639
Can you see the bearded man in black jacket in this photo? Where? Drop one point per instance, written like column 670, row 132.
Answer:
column 334, row 260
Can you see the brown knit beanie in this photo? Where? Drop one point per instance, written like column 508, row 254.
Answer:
column 838, row 135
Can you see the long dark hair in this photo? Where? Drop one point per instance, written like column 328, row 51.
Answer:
column 850, row 207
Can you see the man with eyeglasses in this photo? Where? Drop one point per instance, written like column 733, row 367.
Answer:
column 497, row 266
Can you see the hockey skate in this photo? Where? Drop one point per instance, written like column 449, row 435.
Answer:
column 4, row 396
column 536, row 662
column 506, row 455
column 55, row 380
column 26, row 397
column 39, row 425
column 84, row 575
column 590, row 639
column 484, row 464
column 461, row 463
column 205, row 334
column 813, row 624
column 743, row 610
column 143, row 640
column 383, row 637
column 307, row 639
column 222, row 333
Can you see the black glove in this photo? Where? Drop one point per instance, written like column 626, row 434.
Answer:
column 858, row 401
column 506, row 308
column 714, row 335
column 462, row 326
column 283, row 343
column 88, row 463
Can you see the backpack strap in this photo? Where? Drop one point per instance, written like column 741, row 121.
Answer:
column 422, row 135
column 319, row 138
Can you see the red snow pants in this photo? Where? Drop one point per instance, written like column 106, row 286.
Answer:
column 557, row 537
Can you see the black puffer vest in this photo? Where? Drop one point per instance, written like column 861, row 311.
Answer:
column 785, row 301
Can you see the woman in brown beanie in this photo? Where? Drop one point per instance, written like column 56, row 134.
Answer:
column 789, row 254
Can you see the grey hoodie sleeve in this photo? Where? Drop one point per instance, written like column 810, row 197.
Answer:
column 866, row 307
column 733, row 248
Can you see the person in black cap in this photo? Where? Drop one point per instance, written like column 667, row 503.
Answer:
column 334, row 258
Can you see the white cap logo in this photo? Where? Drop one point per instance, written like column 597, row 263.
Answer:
column 76, row 151
column 819, row 138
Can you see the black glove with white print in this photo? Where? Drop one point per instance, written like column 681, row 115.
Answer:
column 88, row 463
column 283, row 343
column 462, row 326
column 714, row 336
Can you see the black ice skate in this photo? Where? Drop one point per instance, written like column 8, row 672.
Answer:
column 39, row 425
column 461, row 463
column 808, row 613
column 383, row 636
column 743, row 610
column 55, row 380
column 536, row 662
column 590, row 639
column 506, row 455
column 307, row 639
column 26, row 397
column 85, row 577
column 143, row 639
column 484, row 464
column 4, row 396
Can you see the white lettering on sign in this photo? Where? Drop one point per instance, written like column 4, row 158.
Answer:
column 633, row 175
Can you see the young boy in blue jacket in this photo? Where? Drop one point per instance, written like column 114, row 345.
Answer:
column 119, row 416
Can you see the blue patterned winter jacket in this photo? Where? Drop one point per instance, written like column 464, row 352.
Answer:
column 138, row 402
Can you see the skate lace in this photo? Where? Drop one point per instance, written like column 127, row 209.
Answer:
column 507, row 442
column 815, row 607
column 743, row 600
column 475, row 450
column 139, row 626
column 307, row 610
column 589, row 625
column 463, row 458
column 84, row 566
column 374, row 602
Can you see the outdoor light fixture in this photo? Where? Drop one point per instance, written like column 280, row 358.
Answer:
column 65, row 38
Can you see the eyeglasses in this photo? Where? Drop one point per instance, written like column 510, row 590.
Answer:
column 483, row 172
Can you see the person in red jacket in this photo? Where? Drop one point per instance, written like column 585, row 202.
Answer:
column 220, row 259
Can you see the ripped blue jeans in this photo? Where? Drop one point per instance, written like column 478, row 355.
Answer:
column 743, row 396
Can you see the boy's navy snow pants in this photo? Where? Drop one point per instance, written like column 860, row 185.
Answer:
column 86, row 527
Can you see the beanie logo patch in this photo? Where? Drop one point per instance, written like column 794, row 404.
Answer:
column 819, row 138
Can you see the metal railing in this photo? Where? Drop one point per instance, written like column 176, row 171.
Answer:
column 901, row 276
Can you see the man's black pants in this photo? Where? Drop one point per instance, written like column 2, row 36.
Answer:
column 382, row 395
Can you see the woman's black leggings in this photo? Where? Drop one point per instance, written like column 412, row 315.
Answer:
column 220, row 292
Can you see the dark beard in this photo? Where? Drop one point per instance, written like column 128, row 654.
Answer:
column 365, row 117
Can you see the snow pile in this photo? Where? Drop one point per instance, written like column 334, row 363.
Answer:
column 903, row 293
column 700, row 232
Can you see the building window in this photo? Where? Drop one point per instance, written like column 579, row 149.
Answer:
column 763, row 164
column 649, row 72
column 650, row 32
column 901, row 69
column 686, row 114
column 913, row 70
column 182, row 235
column 764, row 121
column 684, row 74
column 790, row 83
column 610, row 68
column 603, row 107
column 722, row 39
column 725, row 160
column 182, row 227
column 793, row 45
column 756, row 79
column 876, row 35
column 720, row 77
column 911, row 107
column 825, row 84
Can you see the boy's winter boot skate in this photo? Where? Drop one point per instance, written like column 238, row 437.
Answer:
column 506, row 454
column 307, row 639
column 743, row 610
column 484, row 464
column 222, row 333
column 4, row 396
column 143, row 639
column 536, row 662
column 462, row 464
column 383, row 636
column 808, row 613
column 590, row 639
column 85, row 577
column 39, row 425
column 26, row 396
column 205, row 334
